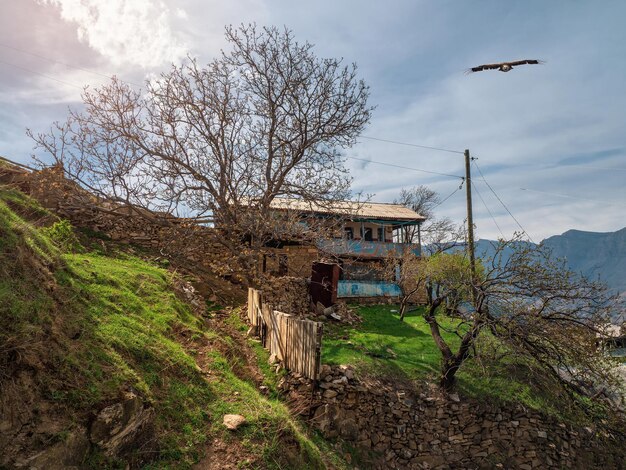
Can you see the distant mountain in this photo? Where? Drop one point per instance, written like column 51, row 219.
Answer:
column 593, row 254
column 596, row 255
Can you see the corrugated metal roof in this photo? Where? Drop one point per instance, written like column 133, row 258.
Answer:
column 350, row 209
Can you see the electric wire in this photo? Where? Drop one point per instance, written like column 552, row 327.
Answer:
column 412, row 145
column 593, row 167
column 131, row 83
column 407, row 168
column 486, row 207
column 573, row 197
column 449, row 195
column 110, row 77
column 502, row 202
column 41, row 74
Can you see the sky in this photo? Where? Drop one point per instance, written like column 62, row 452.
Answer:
column 550, row 140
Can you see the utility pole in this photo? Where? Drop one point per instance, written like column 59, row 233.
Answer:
column 470, row 221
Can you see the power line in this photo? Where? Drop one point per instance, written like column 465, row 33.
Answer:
column 110, row 77
column 572, row 197
column 485, row 204
column 412, row 145
column 450, row 195
column 407, row 168
column 501, row 202
column 593, row 167
column 41, row 74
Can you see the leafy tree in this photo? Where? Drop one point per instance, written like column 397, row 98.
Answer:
column 218, row 143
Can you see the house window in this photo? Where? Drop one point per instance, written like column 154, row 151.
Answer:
column 349, row 234
column 367, row 234
column 381, row 234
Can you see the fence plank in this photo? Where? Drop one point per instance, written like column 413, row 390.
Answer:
column 295, row 342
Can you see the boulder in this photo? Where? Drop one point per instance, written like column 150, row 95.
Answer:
column 233, row 422
column 122, row 426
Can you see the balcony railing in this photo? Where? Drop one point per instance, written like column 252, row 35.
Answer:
column 366, row 249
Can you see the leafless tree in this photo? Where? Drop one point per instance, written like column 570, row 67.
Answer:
column 406, row 272
column 434, row 234
column 220, row 142
column 539, row 311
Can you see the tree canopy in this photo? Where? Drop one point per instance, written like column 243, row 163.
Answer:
column 266, row 119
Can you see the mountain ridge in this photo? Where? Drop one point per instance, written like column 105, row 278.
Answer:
column 600, row 255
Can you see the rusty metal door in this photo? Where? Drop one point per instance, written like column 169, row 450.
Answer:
column 324, row 279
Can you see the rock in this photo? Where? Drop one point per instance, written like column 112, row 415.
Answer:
column 335, row 316
column 123, row 426
column 348, row 429
column 329, row 311
column 542, row 434
column 330, row 393
column 454, row 397
column 264, row 389
column 233, row 422
column 322, row 418
column 70, row 453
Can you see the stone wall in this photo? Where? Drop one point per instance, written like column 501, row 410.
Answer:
column 184, row 243
column 287, row 294
column 408, row 429
column 290, row 260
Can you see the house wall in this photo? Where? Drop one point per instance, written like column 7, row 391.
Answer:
column 356, row 230
column 292, row 260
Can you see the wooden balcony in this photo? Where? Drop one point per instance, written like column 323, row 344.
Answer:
column 366, row 249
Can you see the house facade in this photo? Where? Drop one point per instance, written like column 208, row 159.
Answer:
column 360, row 238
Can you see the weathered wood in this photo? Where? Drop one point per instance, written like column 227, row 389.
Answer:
column 296, row 343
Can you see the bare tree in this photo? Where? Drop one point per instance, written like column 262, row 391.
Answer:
column 219, row 143
column 407, row 273
column 539, row 311
column 435, row 234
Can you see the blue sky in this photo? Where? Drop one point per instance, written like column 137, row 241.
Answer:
column 550, row 139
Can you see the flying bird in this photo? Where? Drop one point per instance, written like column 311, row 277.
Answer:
column 504, row 66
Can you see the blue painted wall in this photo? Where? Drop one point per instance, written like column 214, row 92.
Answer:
column 347, row 289
column 368, row 249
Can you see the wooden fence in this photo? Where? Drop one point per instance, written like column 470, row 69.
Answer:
column 295, row 342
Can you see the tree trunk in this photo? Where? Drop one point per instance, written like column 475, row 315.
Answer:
column 403, row 304
column 448, row 374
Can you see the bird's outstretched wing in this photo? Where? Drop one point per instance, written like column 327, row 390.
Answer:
column 480, row 68
column 515, row 63
column 526, row 61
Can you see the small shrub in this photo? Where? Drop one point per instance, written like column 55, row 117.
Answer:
column 62, row 234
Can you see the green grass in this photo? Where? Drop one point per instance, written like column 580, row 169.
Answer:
column 384, row 346
column 93, row 324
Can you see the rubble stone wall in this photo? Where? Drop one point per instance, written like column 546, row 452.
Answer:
column 409, row 429
column 287, row 294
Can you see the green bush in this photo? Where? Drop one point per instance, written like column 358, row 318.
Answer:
column 62, row 234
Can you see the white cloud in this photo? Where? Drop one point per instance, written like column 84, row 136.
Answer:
column 134, row 32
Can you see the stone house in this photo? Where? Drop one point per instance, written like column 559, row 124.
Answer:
column 360, row 237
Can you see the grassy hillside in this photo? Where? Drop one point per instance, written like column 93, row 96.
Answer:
column 79, row 324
